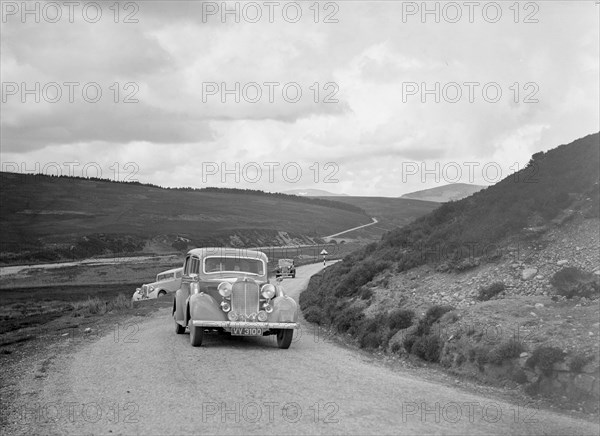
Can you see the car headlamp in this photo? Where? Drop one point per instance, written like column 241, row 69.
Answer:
column 224, row 289
column 225, row 306
column 268, row 291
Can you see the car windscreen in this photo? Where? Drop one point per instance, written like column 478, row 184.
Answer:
column 233, row 264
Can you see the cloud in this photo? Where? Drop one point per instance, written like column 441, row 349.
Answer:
column 182, row 66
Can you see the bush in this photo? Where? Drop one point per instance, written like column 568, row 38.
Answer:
column 400, row 319
column 371, row 332
column 349, row 318
column 505, row 351
column 488, row 292
column 396, row 347
column 572, row 282
column 433, row 314
column 579, row 361
column 314, row 314
column 427, row 348
column 544, row 357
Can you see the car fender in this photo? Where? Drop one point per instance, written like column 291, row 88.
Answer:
column 179, row 306
column 285, row 309
column 204, row 307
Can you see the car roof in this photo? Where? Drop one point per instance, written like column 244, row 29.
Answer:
column 228, row 251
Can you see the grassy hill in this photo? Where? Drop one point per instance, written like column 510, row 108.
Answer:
column 442, row 194
column 520, row 256
column 390, row 212
column 76, row 217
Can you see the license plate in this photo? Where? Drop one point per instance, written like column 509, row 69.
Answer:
column 246, row 331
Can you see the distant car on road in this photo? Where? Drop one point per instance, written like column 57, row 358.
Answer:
column 286, row 268
column 228, row 290
column 166, row 282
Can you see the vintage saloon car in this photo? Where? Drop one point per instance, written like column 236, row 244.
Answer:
column 286, row 268
column 227, row 290
column 166, row 282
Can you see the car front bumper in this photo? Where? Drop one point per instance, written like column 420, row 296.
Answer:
column 247, row 324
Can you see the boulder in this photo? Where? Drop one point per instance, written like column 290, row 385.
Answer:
column 528, row 273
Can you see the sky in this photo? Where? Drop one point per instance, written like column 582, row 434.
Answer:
column 370, row 98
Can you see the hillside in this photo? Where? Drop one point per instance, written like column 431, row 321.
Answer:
column 50, row 218
column 390, row 212
column 501, row 287
column 442, row 194
column 312, row 193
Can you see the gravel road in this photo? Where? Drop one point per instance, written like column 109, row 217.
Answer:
column 145, row 379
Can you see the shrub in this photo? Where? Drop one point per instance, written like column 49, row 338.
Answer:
column 409, row 341
column 579, row 361
column 348, row 318
column 396, row 347
column 488, row 292
column 400, row 319
column 120, row 303
column 572, row 282
column 371, row 332
column 479, row 356
column 518, row 376
column 505, row 351
column 314, row 314
column 544, row 357
column 433, row 314
column 427, row 348
column 91, row 306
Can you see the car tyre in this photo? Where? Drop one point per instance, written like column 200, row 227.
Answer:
column 161, row 294
column 196, row 334
column 284, row 338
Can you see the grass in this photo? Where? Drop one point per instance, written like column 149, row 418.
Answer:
column 40, row 212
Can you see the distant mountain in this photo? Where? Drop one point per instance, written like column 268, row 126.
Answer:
column 442, row 194
column 312, row 193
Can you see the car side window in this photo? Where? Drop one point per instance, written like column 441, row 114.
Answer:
column 178, row 275
column 186, row 267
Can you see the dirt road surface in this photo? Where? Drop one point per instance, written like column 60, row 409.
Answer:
column 145, row 379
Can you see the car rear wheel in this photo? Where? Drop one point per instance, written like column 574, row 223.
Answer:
column 196, row 334
column 284, row 338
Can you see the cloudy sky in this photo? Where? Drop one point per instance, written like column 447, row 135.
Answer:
column 364, row 98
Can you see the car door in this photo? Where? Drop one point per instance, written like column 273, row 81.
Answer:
column 183, row 292
column 190, row 275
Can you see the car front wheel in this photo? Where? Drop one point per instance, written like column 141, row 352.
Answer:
column 284, row 338
column 196, row 334
column 161, row 294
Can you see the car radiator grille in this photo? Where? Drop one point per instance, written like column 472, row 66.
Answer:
column 244, row 298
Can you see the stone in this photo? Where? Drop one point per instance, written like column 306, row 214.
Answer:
column 88, row 330
column 528, row 273
column 539, row 305
column 539, row 277
column 524, row 354
column 562, row 262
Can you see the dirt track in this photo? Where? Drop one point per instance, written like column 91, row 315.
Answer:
column 145, row 379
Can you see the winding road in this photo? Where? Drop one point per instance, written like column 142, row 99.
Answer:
column 145, row 379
